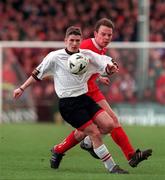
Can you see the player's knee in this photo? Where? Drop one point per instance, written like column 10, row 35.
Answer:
column 79, row 135
column 107, row 128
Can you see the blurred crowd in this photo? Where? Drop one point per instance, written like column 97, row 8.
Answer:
column 47, row 20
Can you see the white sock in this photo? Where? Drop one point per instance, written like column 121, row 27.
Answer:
column 103, row 153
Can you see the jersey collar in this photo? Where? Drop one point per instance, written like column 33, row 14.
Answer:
column 96, row 45
column 70, row 53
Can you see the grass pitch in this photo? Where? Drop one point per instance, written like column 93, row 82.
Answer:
column 25, row 154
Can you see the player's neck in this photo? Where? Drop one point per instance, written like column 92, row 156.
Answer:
column 70, row 53
column 96, row 44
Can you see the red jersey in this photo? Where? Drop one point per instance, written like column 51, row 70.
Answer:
column 91, row 45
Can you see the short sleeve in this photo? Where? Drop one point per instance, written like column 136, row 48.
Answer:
column 47, row 66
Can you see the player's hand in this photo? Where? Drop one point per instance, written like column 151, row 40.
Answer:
column 115, row 63
column 111, row 69
column 104, row 80
column 17, row 93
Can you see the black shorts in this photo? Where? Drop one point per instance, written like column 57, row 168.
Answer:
column 77, row 111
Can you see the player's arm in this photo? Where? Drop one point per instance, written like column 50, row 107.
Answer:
column 112, row 68
column 103, row 63
column 109, row 71
column 43, row 69
column 104, row 80
column 19, row 91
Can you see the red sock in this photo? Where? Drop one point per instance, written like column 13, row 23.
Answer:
column 121, row 139
column 66, row 144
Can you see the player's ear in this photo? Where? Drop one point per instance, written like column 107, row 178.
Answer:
column 65, row 40
column 95, row 33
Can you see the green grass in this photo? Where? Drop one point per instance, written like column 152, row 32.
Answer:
column 25, row 153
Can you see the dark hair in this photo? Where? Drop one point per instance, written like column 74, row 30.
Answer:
column 73, row 30
column 104, row 22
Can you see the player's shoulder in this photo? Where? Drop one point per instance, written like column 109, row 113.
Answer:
column 87, row 52
column 83, row 51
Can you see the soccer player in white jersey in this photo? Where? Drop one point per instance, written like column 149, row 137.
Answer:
column 75, row 106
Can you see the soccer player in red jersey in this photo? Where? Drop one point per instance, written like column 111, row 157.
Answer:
column 102, row 37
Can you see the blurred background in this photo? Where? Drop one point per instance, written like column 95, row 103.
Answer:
column 30, row 29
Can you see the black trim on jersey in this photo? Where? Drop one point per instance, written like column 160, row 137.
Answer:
column 69, row 52
column 107, row 70
column 35, row 77
column 35, row 73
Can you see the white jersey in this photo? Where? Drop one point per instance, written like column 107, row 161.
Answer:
column 67, row 84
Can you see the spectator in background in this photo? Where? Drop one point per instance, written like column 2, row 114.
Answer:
column 8, row 73
column 160, row 88
column 148, row 95
column 128, row 88
column 156, row 68
column 157, row 20
column 114, row 94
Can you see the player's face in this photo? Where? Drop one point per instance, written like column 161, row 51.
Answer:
column 104, row 36
column 73, row 42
